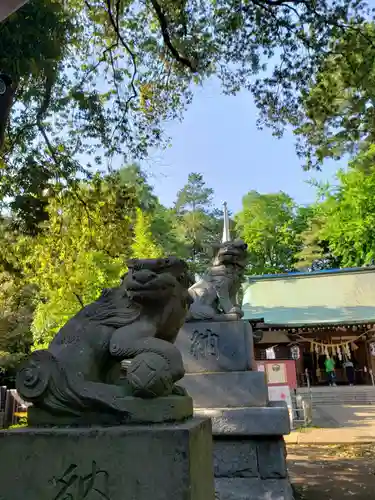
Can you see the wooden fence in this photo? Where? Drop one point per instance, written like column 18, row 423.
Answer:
column 12, row 407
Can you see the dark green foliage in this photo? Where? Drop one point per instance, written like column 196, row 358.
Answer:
column 102, row 77
column 270, row 225
column 337, row 112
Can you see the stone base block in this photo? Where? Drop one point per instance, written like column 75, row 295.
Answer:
column 158, row 462
column 263, row 421
column 249, row 467
column 253, row 489
column 263, row 458
column 272, row 458
column 216, row 346
column 230, row 389
column 150, row 411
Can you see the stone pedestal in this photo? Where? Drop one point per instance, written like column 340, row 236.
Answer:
column 141, row 411
column 248, row 429
column 216, row 346
column 140, row 462
column 218, row 359
column 250, row 453
column 223, row 390
column 272, row 420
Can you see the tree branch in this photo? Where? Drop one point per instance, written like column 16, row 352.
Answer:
column 6, row 102
column 126, row 47
column 165, row 34
column 277, row 3
column 78, row 297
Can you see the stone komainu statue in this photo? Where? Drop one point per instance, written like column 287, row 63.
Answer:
column 215, row 295
column 79, row 373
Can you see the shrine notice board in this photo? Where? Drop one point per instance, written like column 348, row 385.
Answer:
column 279, row 372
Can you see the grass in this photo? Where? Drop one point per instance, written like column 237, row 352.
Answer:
column 299, row 491
column 22, row 422
column 339, row 451
column 307, row 428
column 17, row 426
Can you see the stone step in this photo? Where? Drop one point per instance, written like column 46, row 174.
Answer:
column 340, row 396
column 336, row 396
column 251, row 488
column 343, row 403
column 355, row 389
column 351, row 402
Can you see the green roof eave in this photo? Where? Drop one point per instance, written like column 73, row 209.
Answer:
column 307, row 274
column 340, row 297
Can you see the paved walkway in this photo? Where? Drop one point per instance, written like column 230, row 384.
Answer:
column 338, row 424
column 331, row 460
column 332, row 472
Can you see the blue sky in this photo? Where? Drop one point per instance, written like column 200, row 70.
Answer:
column 218, row 138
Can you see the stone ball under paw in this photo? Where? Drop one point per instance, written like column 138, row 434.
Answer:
column 149, row 376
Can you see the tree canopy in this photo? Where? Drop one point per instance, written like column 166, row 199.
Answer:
column 81, row 249
column 337, row 112
column 101, row 78
column 270, row 225
column 349, row 213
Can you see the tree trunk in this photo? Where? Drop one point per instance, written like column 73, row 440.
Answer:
column 6, row 101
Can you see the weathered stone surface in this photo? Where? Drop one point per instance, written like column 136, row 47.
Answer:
column 266, row 421
column 158, row 462
column 209, row 346
column 265, row 458
column 253, row 489
column 235, row 458
column 214, row 295
column 226, row 390
column 272, row 458
column 76, row 375
column 261, row 459
column 158, row 410
column 278, row 404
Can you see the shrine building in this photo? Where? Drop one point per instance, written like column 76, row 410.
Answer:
column 309, row 316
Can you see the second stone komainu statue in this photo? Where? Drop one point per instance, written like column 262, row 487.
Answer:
column 78, row 379
column 214, row 296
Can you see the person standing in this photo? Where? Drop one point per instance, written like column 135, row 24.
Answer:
column 349, row 370
column 330, row 370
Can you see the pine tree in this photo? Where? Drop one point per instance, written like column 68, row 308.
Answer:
column 197, row 222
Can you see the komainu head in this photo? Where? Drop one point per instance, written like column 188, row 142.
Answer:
column 231, row 253
column 156, row 279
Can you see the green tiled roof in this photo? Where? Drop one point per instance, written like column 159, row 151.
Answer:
column 337, row 297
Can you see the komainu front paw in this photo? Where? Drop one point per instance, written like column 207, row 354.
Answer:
column 179, row 391
column 236, row 310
